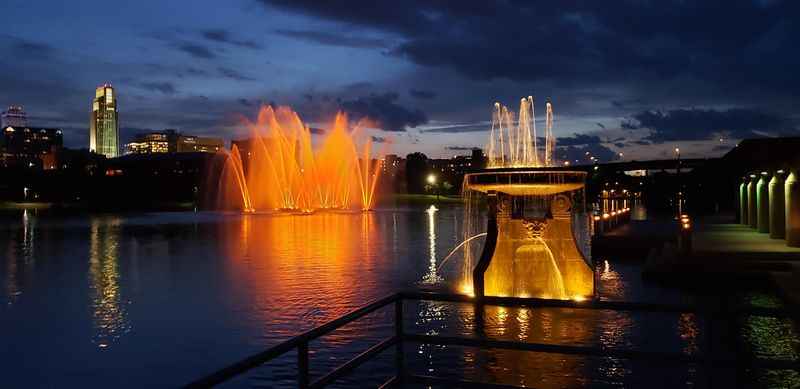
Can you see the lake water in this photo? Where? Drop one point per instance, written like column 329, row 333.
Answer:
column 161, row 299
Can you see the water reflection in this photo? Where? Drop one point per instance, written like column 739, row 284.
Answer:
column 109, row 308
column 314, row 267
column 20, row 257
column 433, row 317
column 611, row 283
column 431, row 276
column 688, row 330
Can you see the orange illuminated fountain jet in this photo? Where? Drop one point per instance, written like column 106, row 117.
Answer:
column 280, row 168
column 537, row 229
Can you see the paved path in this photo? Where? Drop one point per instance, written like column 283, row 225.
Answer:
column 737, row 242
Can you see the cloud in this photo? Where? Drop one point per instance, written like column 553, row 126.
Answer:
column 458, row 127
column 316, row 131
column 422, row 94
column 578, row 153
column 196, row 50
column 461, row 148
column 224, row 36
column 333, row 39
column 704, row 124
column 29, row 49
column 670, row 43
column 384, row 109
column 578, row 139
column 234, row 74
column 166, row 88
column 601, row 125
column 379, row 139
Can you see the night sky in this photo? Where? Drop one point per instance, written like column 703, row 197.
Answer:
column 638, row 77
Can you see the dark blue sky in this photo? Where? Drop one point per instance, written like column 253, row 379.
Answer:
column 638, row 77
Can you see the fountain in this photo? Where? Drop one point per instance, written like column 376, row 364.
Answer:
column 282, row 170
column 537, row 228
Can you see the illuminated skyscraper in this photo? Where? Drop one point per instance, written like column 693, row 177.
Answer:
column 14, row 117
column 104, row 125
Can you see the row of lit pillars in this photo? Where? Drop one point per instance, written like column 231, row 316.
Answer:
column 769, row 202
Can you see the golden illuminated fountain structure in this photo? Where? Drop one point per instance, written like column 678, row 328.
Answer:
column 533, row 214
column 284, row 168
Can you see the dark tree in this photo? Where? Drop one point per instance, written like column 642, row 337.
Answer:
column 416, row 170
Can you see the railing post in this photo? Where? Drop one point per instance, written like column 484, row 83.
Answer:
column 709, row 354
column 399, row 334
column 302, row 365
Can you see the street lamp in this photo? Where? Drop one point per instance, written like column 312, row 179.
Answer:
column 432, row 182
column 432, row 179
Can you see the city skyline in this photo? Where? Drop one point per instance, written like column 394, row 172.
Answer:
column 424, row 72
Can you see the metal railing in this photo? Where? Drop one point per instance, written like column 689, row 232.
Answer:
column 300, row 342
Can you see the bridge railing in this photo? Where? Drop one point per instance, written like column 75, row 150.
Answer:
column 300, row 343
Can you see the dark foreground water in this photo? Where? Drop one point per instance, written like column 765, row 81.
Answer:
column 157, row 300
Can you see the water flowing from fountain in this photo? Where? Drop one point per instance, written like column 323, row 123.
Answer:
column 279, row 167
column 460, row 245
column 513, row 141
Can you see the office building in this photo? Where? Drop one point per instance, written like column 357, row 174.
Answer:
column 172, row 141
column 14, row 117
column 30, row 146
column 104, row 124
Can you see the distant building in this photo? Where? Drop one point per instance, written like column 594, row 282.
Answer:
column 172, row 141
column 104, row 124
column 202, row 144
column 30, row 146
column 478, row 159
column 14, row 117
column 392, row 164
column 155, row 142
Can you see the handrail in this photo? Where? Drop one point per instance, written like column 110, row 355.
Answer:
column 256, row 360
column 633, row 306
column 300, row 342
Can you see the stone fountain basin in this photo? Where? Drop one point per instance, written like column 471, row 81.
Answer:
column 525, row 182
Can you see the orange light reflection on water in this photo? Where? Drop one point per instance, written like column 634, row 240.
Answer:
column 298, row 262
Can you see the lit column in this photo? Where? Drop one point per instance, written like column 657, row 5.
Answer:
column 743, row 202
column 752, row 212
column 762, row 189
column 777, row 208
column 792, row 193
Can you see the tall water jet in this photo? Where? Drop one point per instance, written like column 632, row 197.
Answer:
column 279, row 167
column 537, row 225
column 513, row 141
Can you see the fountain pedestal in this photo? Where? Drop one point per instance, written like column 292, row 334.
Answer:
column 533, row 251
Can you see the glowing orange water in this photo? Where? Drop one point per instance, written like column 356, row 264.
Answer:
column 281, row 168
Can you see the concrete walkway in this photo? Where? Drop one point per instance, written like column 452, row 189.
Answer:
column 731, row 251
column 736, row 242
